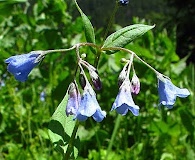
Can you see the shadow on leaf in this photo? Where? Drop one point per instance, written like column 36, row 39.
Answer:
column 58, row 136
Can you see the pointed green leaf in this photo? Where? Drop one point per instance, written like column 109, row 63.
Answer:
column 89, row 31
column 61, row 128
column 126, row 35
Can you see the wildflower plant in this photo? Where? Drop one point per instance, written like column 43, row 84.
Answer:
column 80, row 101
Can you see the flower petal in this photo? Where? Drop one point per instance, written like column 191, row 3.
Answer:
column 89, row 106
column 123, row 109
column 99, row 115
column 81, row 117
column 182, row 92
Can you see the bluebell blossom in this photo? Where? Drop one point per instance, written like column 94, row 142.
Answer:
column 89, row 106
column 124, row 101
column 168, row 92
column 21, row 65
column 74, row 99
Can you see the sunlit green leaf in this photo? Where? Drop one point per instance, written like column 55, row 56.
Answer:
column 125, row 35
column 61, row 128
column 89, row 31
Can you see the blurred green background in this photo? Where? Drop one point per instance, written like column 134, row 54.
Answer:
column 27, row 25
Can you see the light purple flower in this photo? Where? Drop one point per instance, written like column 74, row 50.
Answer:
column 89, row 106
column 124, row 101
column 168, row 92
column 21, row 65
column 73, row 99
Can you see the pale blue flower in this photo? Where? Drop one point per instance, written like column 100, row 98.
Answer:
column 168, row 92
column 89, row 106
column 73, row 99
column 21, row 65
column 124, row 101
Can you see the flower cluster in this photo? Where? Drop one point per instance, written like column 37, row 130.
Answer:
column 124, row 101
column 86, row 105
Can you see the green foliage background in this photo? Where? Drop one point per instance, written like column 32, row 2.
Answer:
column 42, row 25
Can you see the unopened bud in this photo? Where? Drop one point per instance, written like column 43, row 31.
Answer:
column 123, row 75
column 82, row 80
column 83, row 55
column 123, row 60
column 135, row 84
column 95, row 79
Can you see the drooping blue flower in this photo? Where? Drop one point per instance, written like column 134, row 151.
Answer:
column 73, row 99
column 21, row 65
column 124, row 101
column 168, row 92
column 89, row 106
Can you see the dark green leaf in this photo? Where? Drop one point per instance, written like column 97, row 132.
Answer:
column 125, row 35
column 187, row 119
column 61, row 128
column 89, row 31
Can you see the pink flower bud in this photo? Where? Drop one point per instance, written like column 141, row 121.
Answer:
column 135, row 84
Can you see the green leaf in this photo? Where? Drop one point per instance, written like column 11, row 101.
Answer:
column 61, row 128
column 125, row 35
column 187, row 117
column 89, row 31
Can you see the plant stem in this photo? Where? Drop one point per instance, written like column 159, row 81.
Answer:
column 135, row 55
column 97, row 58
column 111, row 21
column 71, row 142
column 115, row 131
column 105, row 34
column 58, row 50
